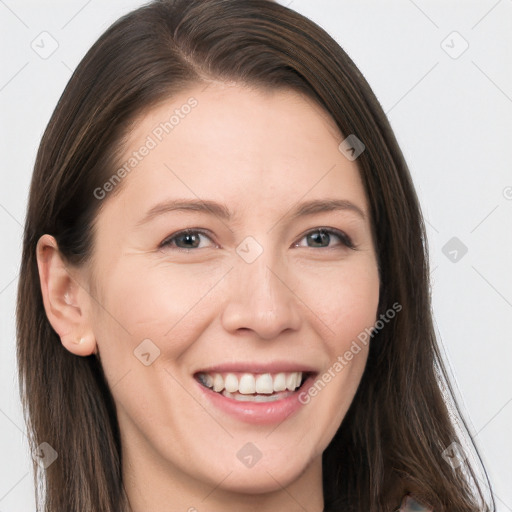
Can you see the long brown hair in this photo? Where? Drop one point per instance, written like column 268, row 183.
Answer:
column 393, row 437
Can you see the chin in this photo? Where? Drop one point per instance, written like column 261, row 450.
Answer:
column 260, row 481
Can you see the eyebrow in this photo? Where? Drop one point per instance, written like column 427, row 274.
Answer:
column 312, row 207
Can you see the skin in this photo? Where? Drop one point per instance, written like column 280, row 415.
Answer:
column 259, row 153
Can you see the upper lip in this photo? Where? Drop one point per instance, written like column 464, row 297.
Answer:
column 252, row 367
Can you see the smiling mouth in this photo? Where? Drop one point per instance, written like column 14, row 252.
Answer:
column 253, row 387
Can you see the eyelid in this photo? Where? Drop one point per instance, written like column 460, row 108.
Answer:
column 186, row 231
column 345, row 239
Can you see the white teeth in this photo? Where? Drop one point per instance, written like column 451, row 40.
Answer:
column 280, row 382
column 264, row 384
column 247, row 384
column 218, row 382
column 255, row 398
column 208, row 380
column 231, row 383
column 291, row 381
column 250, row 383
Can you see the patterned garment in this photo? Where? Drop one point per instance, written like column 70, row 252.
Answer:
column 409, row 504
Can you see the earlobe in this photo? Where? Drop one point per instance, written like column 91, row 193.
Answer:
column 65, row 301
column 80, row 346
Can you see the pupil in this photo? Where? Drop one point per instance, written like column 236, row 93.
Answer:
column 315, row 237
column 189, row 238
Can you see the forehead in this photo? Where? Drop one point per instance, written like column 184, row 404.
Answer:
column 235, row 144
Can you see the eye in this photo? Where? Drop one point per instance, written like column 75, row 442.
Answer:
column 321, row 237
column 185, row 240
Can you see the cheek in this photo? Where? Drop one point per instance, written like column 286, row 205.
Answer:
column 169, row 305
column 344, row 299
column 344, row 302
column 150, row 314
column 162, row 303
column 174, row 305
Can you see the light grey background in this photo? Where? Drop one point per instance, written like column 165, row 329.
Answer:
column 452, row 115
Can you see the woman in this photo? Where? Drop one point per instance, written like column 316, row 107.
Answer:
column 225, row 267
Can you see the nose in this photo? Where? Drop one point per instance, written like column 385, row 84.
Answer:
column 260, row 298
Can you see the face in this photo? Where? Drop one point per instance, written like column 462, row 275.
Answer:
column 277, row 274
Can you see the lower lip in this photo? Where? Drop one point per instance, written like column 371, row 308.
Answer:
column 260, row 413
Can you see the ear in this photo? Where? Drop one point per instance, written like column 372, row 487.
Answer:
column 65, row 300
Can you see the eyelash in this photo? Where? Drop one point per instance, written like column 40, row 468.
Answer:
column 344, row 238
